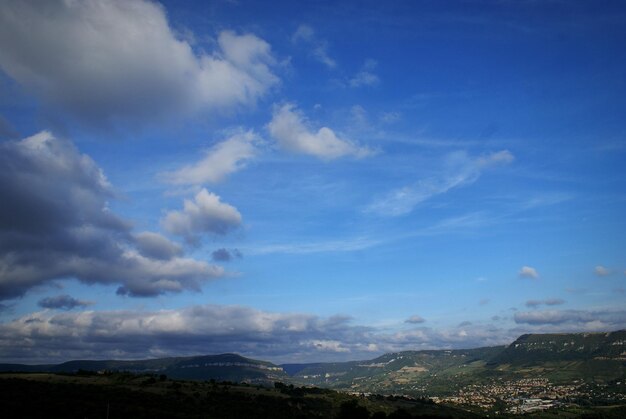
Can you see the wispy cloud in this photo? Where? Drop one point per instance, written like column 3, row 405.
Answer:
column 365, row 76
column 318, row 48
column 221, row 160
column 345, row 245
column 459, row 170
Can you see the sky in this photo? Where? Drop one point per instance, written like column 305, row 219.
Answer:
column 308, row 181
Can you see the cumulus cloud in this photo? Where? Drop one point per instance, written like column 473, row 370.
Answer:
column 528, row 272
column 219, row 161
column 205, row 214
column 318, row 48
column 55, row 223
column 415, row 319
column 601, row 271
column 548, row 302
column 366, row 76
column 117, row 60
column 290, row 129
column 459, row 170
column 64, row 302
column 225, row 255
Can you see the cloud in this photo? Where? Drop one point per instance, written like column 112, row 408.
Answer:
column 154, row 245
column 112, row 60
column 225, row 255
column 284, row 337
column 289, row 128
column 192, row 330
column 318, row 47
column 548, row 302
column 64, row 302
column 366, row 76
column 55, row 223
column 574, row 319
column 528, row 272
column 220, row 161
column 415, row 319
column 459, row 170
column 602, row 271
column 205, row 214
column 49, row 336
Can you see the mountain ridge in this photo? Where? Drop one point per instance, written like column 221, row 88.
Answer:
column 564, row 357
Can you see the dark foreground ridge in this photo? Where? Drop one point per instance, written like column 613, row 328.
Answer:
column 124, row 395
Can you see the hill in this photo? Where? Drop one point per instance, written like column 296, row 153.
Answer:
column 225, row 367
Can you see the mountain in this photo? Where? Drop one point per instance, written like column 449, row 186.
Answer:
column 561, row 359
column 558, row 359
column 224, row 367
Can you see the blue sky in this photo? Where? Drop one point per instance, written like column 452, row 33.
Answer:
column 308, row 180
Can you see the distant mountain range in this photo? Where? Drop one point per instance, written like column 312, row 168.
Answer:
column 560, row 358
column 224, row 367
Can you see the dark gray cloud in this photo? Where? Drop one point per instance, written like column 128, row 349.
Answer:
column 55, row 224
column 136, row 51
column 415, row 319
column 548, row 302
column 154, row 245
column 225, row 255
column 64, row 302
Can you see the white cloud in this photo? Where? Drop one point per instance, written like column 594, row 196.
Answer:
column 459, row 170
column 220, row 161
column 205, row 214
column 318, row 47
column 528, row 272
column 113, row 60
column 602, row 271
column 290, row 129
